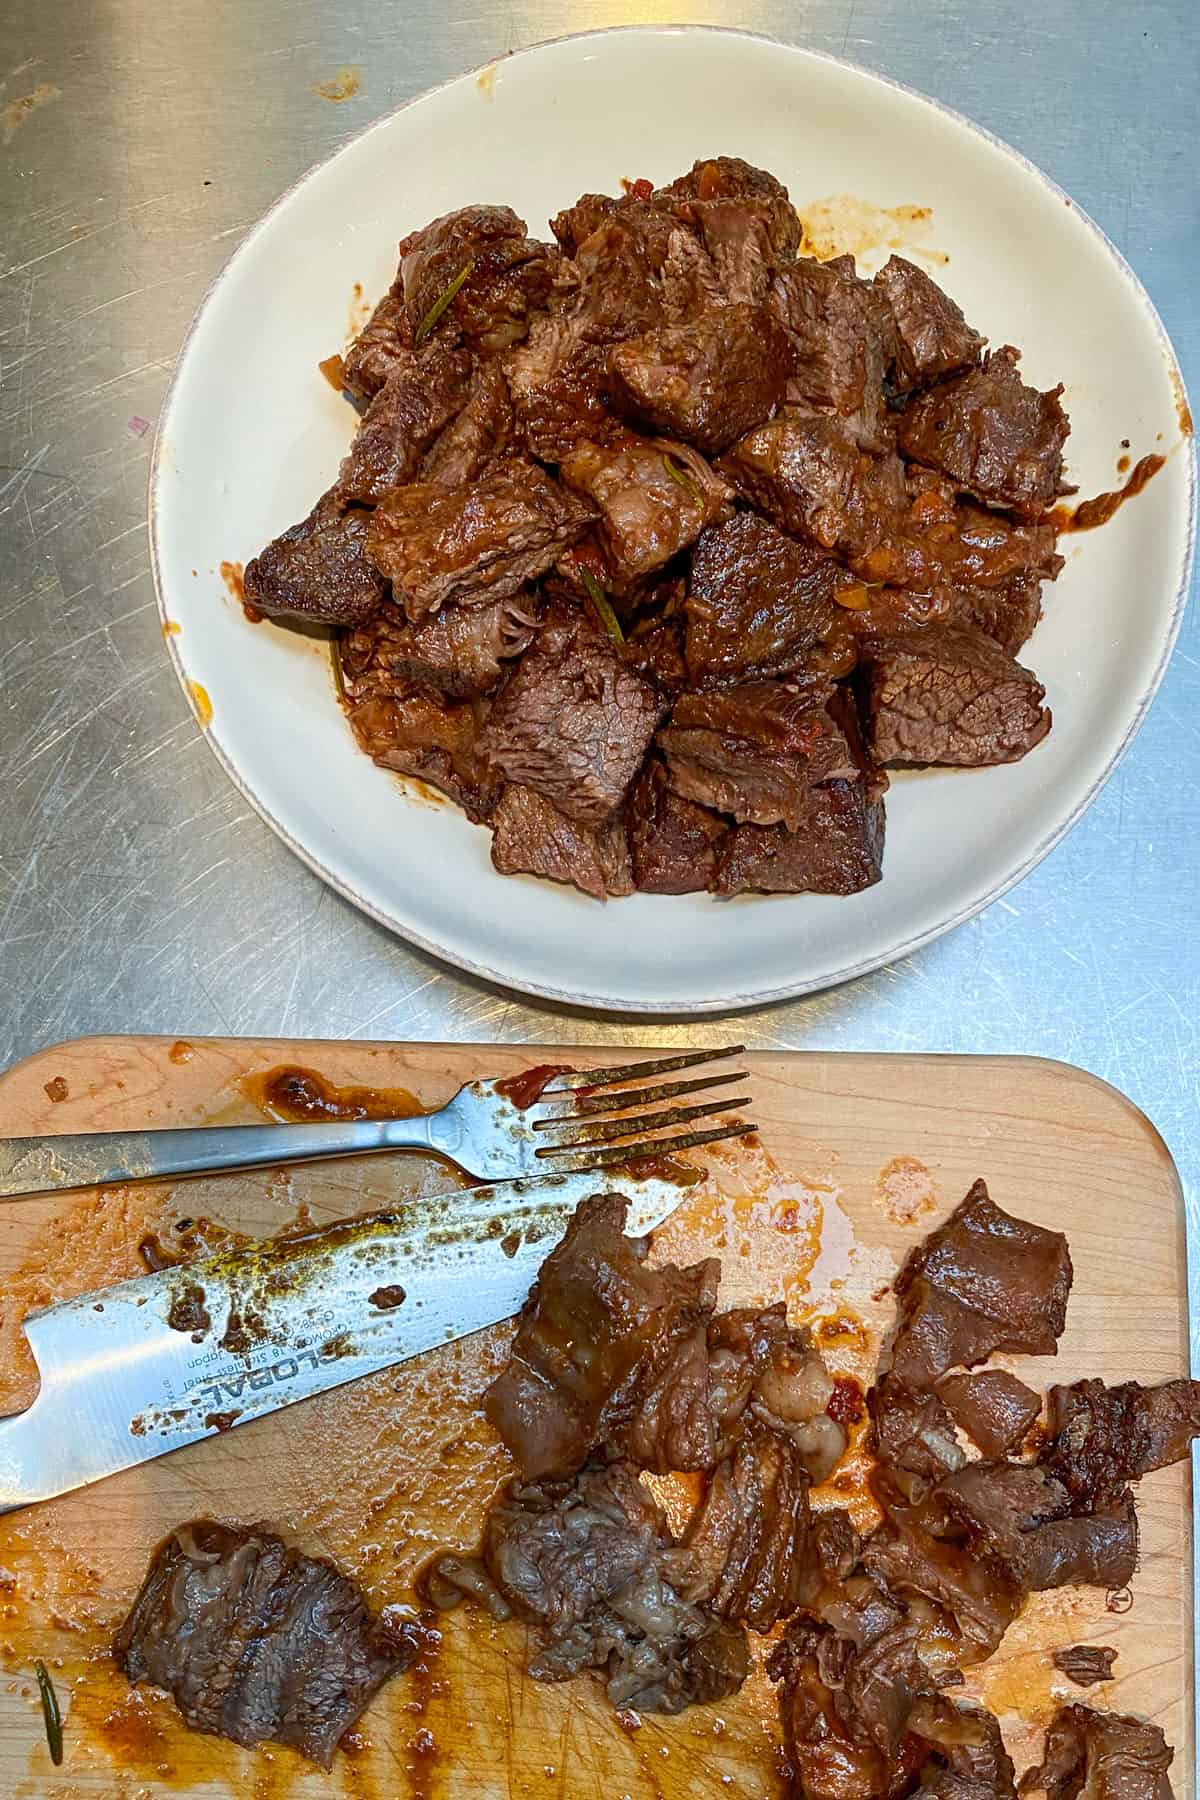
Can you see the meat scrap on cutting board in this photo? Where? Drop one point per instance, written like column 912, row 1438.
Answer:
column 621, row 1368
column 601, row 483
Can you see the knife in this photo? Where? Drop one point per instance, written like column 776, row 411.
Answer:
column 133, row 1371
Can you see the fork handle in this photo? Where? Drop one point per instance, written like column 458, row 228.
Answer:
column 43, row 1165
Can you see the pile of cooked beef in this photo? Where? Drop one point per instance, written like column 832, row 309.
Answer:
column 619, row 1368
column 657, row 546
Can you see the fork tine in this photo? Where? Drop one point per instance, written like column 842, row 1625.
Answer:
column 623, row 1153
column 663, row 1065
column 600, row 1131
column 589, row 1104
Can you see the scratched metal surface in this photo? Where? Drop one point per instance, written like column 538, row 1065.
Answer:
column 137, row 891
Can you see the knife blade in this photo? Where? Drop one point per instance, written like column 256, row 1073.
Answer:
column 133, row 1371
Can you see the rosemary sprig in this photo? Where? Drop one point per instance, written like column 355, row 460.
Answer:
column 335, row 658
column 441, row 303
column 600, row 601
column 50, row 1712
column 681, row 478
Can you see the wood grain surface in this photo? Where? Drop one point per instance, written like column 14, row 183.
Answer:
column 859, row 1156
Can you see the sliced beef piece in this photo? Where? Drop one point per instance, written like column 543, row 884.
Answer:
column 931, row 337
column 382, row 347
column 1098, row 1549
column 1103, row 1756
column 1015, row 1516
column 707, row 381
column 844, row 1713
column 475, row 543
column 1085, row 1664
column 460, row 650
column 804, row 470
column 749, row 1533
column 981, row 1282
column 841, row 338
column 972, row 1596
column 951, row 696
column 401, row 422
column 593, row 1568
column 912, row 1435
column 758, row 602
column 255, row 1641
column 993, row 1408
column 755, row 750
column 596, row 1320
column 319, row 569
column 1102, row 1437
column 992, row 435
column 967, row 1759
column 509, row 279
column 412, row 730
column 531, row 837
column 573, row 722
column 672, row 841
column 720, row 178
column 654, row 498
column 477, row 436
column 836, row 849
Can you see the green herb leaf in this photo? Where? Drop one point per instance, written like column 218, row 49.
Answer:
column 440, row 304
column 600, row 601
column 681, row 478
column 50, row 1713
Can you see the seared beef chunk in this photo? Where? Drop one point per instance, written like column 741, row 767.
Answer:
column 460, row 650
column 981, row 1282
column 1085, row 1664
column 727, row 178
column 967, row 1759
column 931, row 337
column 416, row 731
column 597, row 1319
column 593, row 1568
column 755, row 750
column 654, row 498
column 991, row 435
column 950, row 696
column 758, row 602
column 806, row 473
column 474, row 543
column 255, row 1641
column 837, row 848
column 707, row 381
column 841, row 338
column 531, row 837
column 478, row 435
column 509, row 275
column 671, row 840
column 1103, row 1437
column 1102, row 1756
column 993, row 1408
column 401, row 422
column 573, row 721
column 318, row 569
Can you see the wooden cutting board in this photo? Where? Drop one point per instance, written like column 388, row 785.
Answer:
column 860, row 1155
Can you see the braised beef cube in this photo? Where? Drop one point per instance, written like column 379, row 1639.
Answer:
column 401, row 422
column 474, row 543
column 559, row 391
column 318, row 569
column 837, row 849
column 708, row 381
column 805, row 472
column 477, row 436
column 654, row 498
column 993, row 1408
column 460, row 650
column 531, row 837
column 573, row 722
column 755, row 750
column 654, row 647
column 841, row 343
column 729, row 178
column 991, row 434
column 981, row 1282
column 947, row 695
column 1007, row 612
column 672, row 841
column 415, row 731
column 256, row 1642
column 508, row 276
column 382, row 348
column 758, row 602
column 932, row 339
column 1103, row 1755
column 1103, row 1437
column 616, row 271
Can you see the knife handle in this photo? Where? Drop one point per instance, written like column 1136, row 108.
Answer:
column 42, row 1165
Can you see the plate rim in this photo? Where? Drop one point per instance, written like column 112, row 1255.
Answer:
column 795, row 989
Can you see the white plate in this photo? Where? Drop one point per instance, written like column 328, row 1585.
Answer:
column 252, row 433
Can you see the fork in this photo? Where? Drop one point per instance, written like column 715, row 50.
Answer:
column 483, row 1129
